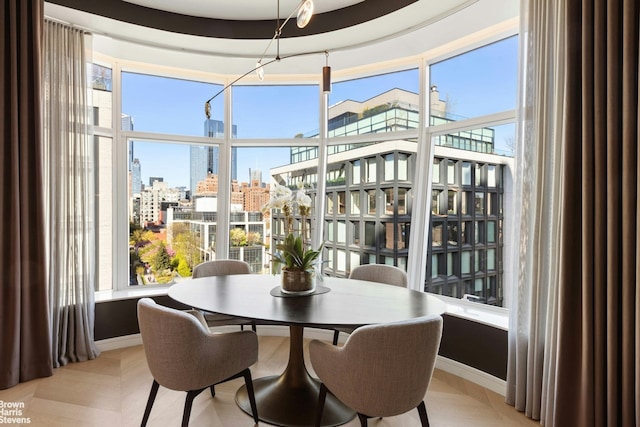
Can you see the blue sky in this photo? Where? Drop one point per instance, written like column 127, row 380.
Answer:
column 476, row 83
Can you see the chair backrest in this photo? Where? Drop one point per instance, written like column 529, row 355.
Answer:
column 381, row 273
column 388, row 366
column 221, row 267
column 170, row 338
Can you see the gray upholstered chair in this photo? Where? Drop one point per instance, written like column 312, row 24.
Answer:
column 223, row 267
column 183, row 355
column 381, row 273
column 382, row 370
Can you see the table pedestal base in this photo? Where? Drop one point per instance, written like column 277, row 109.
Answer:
column 292, row 407
column 290, row 399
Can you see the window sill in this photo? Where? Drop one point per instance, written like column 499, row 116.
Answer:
column 134, row 292
column 497, row 317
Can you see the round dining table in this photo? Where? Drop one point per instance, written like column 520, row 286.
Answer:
column 290, row 399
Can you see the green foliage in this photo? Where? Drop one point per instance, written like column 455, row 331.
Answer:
column 162, row 261
column 183, row 268
column 149, row 252
column 237, row 237
column 175, row 261
column 164, row 276
column 377, row 109
column 293, row 255
column 186, row 244
column 253, row 238
column 140, row 237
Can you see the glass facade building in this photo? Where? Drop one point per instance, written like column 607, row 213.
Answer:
column 369, row 193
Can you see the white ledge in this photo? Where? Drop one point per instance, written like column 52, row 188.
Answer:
column 133, row 292
column 497, row 317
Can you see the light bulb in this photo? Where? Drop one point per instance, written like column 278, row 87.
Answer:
column 260, row 70
column 304, row 14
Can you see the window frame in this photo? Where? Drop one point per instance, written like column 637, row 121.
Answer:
column 416, row 262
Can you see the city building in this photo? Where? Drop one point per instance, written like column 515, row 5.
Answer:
column 203, row 222
column 255, row 193
column 151, row 200
column 205, row 159
column 368, row 205
column 136, row 178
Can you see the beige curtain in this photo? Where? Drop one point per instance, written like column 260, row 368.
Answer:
column 70, row 193
column 537, row 213
column 24, row 328
column 574, row 347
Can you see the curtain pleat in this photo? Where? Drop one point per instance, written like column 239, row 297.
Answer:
column 69, row 177
column 598, row 318
column 24, row 325
column 579, row 110
column 630, row 85
column 533, row 320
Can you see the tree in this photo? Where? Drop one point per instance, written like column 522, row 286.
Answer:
column 510, row 143
column 162, row 261
column 253, row 238
column 149, row 252
column 237, row 237
column 140, row 237
column 183, row 268
column 186, row 244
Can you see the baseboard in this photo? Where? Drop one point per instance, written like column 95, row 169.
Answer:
column 448, row 365
column 119, row 342
column 474, row 375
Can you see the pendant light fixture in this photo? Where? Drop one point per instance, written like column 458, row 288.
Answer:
column 326, row 75
column 303, row 12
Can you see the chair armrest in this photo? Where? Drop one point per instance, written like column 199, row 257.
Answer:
column 327, row 359
column 198, row 315
column 228, row 353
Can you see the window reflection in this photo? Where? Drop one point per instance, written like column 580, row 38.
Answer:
column 452, row 202
column 435, row 202
column 436, row 235
column 355, row 202
column 355, row 172
column 371, row 196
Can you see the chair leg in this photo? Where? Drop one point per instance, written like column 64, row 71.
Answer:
column 336, row 334
column 187, row 406
column 322, row 395
column 213, row 390
column 152, row 397
column 422, row 410
column 363, row 420
column 253, row 327
column 252, row 397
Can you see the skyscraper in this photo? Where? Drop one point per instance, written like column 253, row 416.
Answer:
column 198, row 166
column 127, row 124
column 205, row 159
column 136, row 177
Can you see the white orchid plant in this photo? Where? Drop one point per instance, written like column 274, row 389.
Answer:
column 293, row 254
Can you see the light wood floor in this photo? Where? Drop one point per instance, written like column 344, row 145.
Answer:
column 113, row 389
